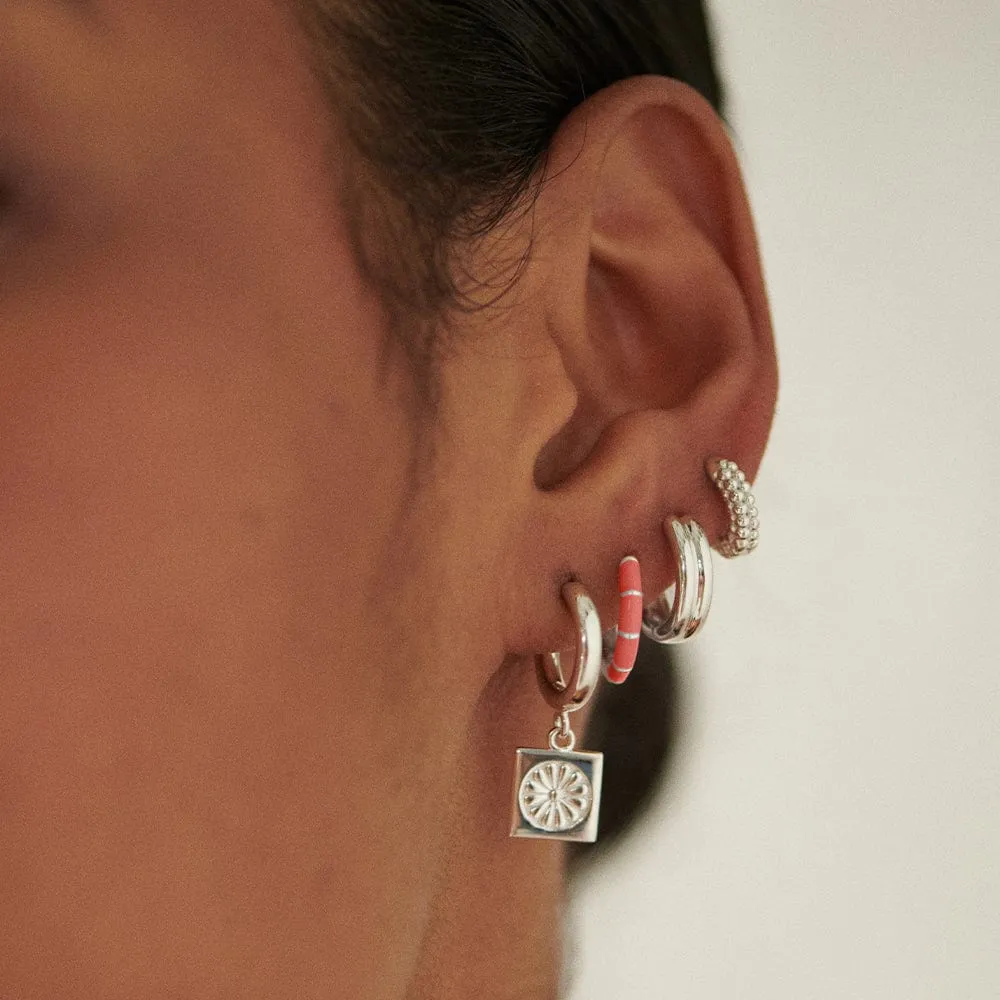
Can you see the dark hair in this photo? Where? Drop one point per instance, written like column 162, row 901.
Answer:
column 452, row 105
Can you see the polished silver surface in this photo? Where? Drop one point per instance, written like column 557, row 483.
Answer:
column 681, row 610
column 569, row 692
column 557, row 795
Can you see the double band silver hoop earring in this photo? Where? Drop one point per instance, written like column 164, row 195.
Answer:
column 557, row 792
column 679, row 613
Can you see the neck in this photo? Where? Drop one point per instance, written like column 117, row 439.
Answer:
column 495, row 927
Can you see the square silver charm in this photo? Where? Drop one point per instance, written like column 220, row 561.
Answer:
column 557, row 795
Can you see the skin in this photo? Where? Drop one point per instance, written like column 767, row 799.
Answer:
column 261, row 684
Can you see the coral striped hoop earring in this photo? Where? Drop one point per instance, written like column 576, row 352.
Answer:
column 744, row 521
column 619, row 664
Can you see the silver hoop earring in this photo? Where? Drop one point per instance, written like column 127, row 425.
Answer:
column 680, row 611
column 557, row 792
column 744, row 520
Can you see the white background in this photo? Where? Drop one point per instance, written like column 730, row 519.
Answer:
column 832, row 826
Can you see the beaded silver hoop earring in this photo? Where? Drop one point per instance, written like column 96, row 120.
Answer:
column 744, row 521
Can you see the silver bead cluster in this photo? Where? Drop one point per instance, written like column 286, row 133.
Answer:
column 744, row 521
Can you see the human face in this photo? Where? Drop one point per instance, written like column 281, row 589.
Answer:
column 206, row 553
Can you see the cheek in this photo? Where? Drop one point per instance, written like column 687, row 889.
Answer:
column 202, row 464
column 145, row 447
column 191, row 499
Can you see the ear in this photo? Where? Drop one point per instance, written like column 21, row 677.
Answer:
column 645, row 262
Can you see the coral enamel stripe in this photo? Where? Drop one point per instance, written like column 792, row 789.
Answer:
column 629, row 621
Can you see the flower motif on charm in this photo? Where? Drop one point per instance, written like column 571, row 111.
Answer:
column 555, row 796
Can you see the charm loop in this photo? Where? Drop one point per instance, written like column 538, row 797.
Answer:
column 562, row 737
column 680, row 611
